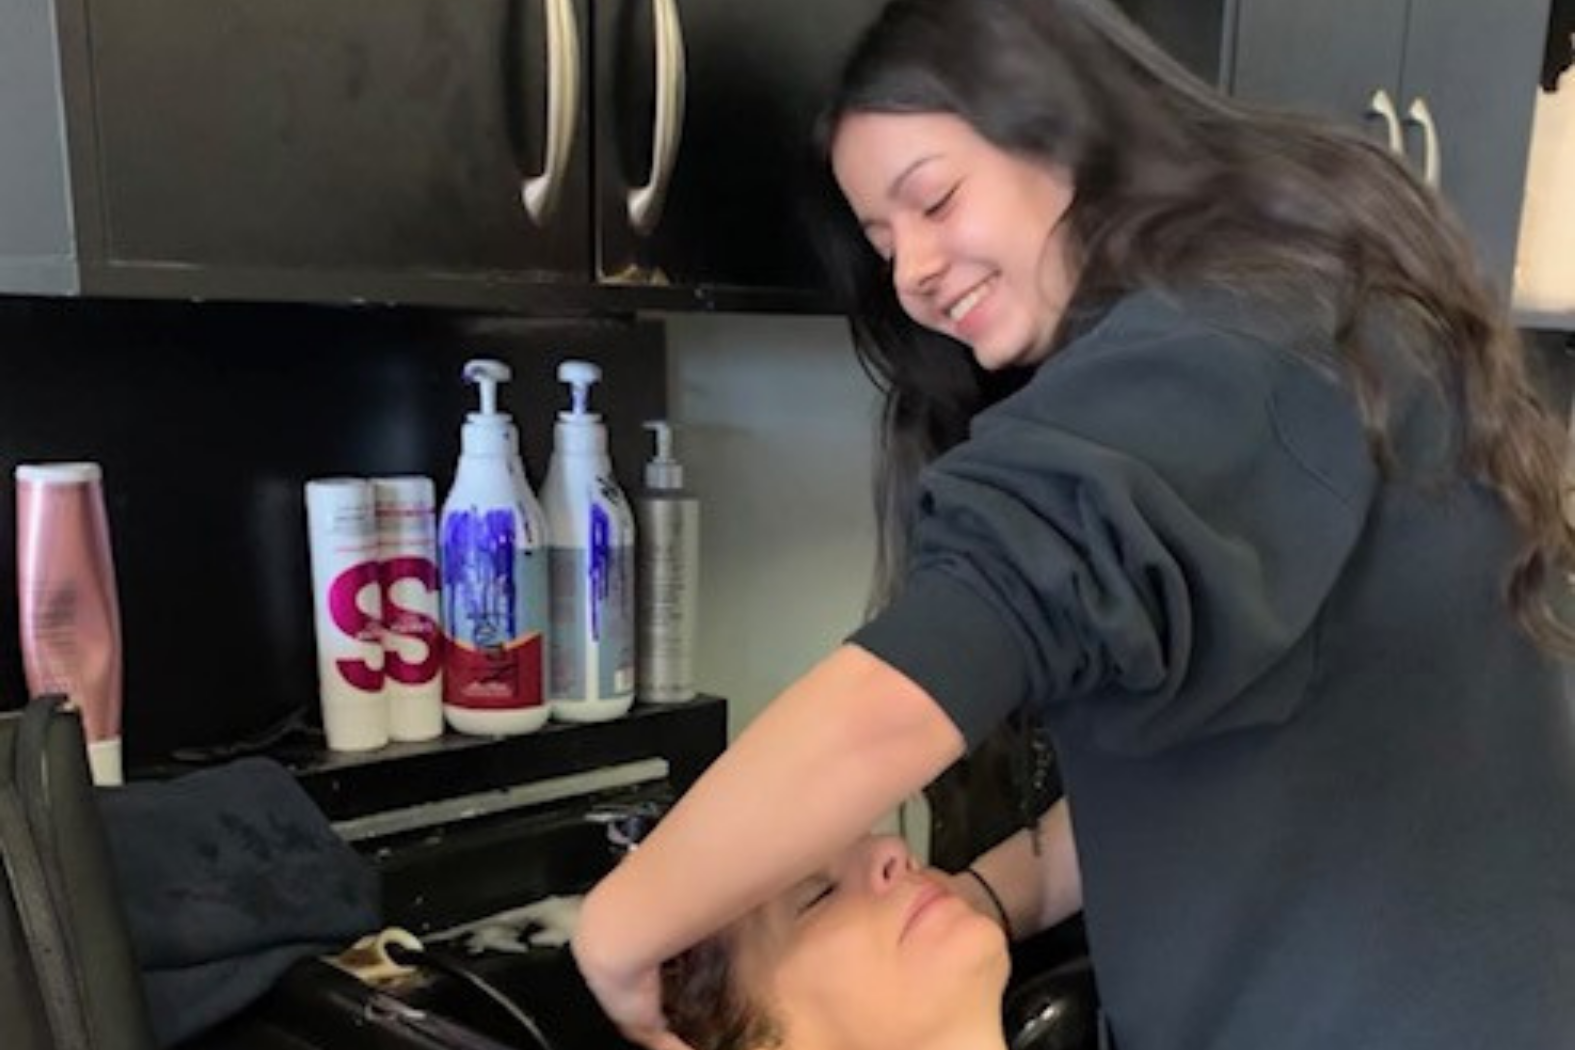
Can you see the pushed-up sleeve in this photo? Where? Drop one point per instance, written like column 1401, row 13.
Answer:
column 1149, row 529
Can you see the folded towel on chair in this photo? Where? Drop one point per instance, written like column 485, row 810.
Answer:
column 229, row 875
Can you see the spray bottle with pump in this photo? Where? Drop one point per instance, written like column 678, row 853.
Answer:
column 492, row 554
column 591, row 659
column 668, row 517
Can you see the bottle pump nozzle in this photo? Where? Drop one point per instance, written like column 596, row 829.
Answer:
column 662, row 471
column 488, row 432
column 487, row 374
column 580, row 375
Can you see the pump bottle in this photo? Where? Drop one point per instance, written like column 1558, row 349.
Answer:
column 590, row 662
column 492, row 556
column 668, row 518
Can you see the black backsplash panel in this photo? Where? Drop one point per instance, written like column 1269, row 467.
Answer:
column 208, row 419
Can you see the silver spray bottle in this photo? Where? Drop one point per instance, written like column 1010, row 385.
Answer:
column 668, row 519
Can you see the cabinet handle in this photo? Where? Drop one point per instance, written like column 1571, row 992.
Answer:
column 645, row 202
column 540, row 192
column 1419, row 115
column 1384, row 106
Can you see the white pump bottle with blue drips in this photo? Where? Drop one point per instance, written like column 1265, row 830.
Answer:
column 590, row 529
column 493, row 562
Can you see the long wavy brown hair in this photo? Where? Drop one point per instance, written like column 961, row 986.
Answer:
column 1180, row 186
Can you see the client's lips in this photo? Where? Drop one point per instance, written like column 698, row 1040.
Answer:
column 929, row 894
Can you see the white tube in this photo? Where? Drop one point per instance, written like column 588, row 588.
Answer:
column 412, row 641
column 347, row 611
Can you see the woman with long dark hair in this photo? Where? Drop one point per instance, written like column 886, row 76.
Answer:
column 1207, row 446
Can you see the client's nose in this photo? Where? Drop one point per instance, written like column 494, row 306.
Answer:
column 887, row 860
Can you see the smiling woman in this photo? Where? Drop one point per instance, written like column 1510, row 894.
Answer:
column 869, row 953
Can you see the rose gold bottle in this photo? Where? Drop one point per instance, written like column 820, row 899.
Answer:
column 70, row 615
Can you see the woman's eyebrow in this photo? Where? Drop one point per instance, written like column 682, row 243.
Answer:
column 896, row 183
column 895, row 188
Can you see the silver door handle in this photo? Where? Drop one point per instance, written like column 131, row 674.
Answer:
column 645, row 202
column 1384, row 106
column 1419, row 115
column 540, row 193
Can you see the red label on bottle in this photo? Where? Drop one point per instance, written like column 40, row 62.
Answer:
column 495, row 678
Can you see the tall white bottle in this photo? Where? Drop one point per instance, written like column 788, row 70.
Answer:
column 493, row 560
column 590, row 643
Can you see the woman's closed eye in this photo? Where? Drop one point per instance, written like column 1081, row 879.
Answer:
column 938, row 206
column 815, row 893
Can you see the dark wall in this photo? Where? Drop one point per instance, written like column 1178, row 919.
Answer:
column 208, row 419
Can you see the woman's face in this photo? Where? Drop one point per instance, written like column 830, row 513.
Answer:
column 874, row 952
column 972, row 233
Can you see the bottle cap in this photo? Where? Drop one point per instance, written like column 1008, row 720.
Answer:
column 487, row 374
column 354, row 721
column 104, row 763
column 59, row 473
column 662, row 471
column 580, row 377
column 488, row 432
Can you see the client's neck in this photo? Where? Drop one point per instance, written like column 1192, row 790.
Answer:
column 968, row 1033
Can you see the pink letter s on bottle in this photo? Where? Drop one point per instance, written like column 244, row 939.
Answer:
column 356, row 622
column 411, row 623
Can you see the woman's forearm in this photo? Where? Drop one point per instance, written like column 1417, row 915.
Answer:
column 814, row 771
column 1036, row 891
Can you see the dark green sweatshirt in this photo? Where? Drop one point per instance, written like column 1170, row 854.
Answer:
column 1323, row 787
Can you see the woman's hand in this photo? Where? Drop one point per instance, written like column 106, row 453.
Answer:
column 632, row 1000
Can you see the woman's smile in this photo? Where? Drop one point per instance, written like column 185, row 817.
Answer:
column 965, row 314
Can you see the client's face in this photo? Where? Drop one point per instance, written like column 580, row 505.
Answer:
column 874, row 953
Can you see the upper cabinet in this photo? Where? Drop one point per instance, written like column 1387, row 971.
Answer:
column 473, row 153
column 589, row 154
column 1448, row 84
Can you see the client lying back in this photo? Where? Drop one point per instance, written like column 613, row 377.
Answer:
column 870, row 953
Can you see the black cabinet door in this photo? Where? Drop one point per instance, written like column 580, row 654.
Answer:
column 1474, row 67
column 335, row 136
column 756, row 76
column 1194, row 32
column 1329, row 57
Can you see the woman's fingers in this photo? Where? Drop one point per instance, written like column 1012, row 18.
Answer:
column 633, row 1002
column 637, row 1011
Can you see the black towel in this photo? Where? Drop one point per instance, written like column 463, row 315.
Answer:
column 228, row 876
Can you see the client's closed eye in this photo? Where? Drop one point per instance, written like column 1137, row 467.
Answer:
column 816, row 892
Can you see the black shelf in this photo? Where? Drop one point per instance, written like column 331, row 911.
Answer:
column 349, row 785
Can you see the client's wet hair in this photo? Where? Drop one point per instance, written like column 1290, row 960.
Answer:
column 706, row 1003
